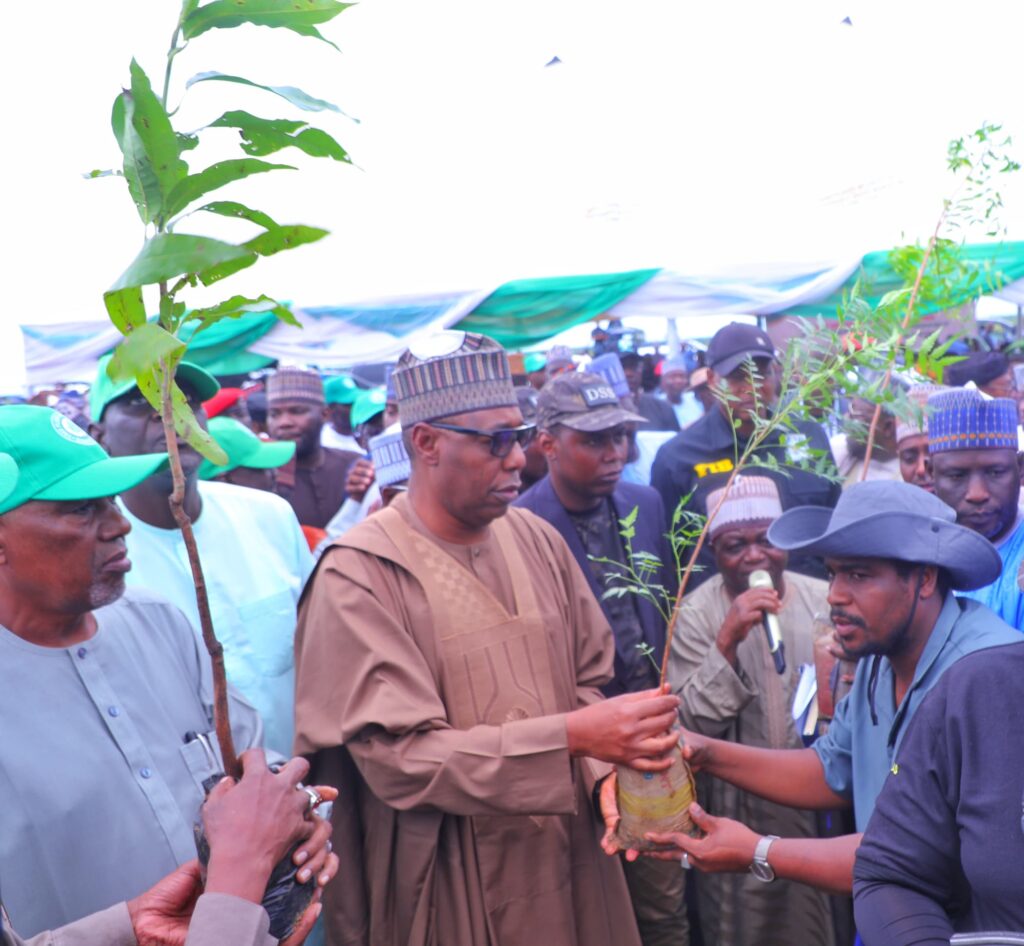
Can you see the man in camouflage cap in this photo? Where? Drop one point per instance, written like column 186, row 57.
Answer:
column 450, row 663
column 584, row 434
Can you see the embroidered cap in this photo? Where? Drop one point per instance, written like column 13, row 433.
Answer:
column 964, row 419
column 750, row 499
column 390, row 461
column 452, row 373
column 295, row 384
column 581, row 401
column 917, row 395
column 610, row 368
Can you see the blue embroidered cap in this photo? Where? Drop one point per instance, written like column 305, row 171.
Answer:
column 963, row 419
column 610, row 368
column 390, row 461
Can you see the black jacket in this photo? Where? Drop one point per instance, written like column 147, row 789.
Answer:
column 700, row 458
column 542, row 500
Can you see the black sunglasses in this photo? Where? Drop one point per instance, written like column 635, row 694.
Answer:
column 502, row 441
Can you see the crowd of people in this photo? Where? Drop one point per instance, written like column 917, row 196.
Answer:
column 447, row 598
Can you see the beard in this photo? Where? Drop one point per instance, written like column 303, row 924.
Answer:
column 106, row 592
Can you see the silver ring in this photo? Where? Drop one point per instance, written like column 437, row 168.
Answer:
column 684, row 862
column 314, row 797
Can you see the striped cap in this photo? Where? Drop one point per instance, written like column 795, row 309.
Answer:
column 295, row 384
column 452, row 373
column 750, row 499
column 917, row 424
column 964, row 419
column 390, row 461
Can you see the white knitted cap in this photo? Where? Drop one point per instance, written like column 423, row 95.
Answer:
column 750, row 499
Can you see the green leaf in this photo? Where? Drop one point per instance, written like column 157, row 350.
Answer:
column 167, row 255
column 185, row 422
column 284, row 238
column 186, row 142
column 262, row 136
column 266, row 244
column 187, row 8
column 215, row 176
column 239, row 305
column 142, row 350
column 110, row 172
column 143, row 185
column 297, row 97
column 151, row 123
column 126, row 308
column 299, row 16
column 231, row 208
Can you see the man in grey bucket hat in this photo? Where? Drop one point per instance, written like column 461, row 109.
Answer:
column 894, row 554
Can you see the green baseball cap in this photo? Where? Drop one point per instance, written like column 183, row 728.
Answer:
column 8, row 475
column 58, row 460
column 368, row 405
column 244, row 448
column 341, row 390
column 106, row 389
column 534, row 361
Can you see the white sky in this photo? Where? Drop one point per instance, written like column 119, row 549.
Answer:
column 687, row 135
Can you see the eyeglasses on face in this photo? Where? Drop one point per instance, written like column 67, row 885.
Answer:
column 502, row 440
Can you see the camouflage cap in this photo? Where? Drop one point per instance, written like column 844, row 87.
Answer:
column 581, row 401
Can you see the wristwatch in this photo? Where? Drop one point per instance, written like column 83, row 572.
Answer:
column 760, row 867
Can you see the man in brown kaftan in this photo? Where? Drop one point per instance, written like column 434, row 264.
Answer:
column 449, row 659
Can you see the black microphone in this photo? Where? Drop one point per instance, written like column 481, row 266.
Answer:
column 761, row 579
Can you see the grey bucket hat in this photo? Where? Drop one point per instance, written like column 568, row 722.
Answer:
column 887, row 519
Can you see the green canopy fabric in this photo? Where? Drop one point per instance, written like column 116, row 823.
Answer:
column 527, row 311
column 991, row 265
column 222, row 349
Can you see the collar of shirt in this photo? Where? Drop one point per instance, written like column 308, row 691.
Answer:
column 937, row 642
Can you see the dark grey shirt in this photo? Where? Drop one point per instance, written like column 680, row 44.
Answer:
column 599, row 532
column 98, row 788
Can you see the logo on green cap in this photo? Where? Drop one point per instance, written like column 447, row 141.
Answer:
column 65, row 427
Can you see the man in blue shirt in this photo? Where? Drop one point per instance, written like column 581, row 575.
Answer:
column 894, row 555
column 972, row 454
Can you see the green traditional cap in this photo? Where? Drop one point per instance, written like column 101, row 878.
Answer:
column 58, row 460
column 105, row 389
column 244, row 448
column 368, row 405
column 341, row 390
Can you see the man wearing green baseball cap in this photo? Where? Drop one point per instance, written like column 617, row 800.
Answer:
column 340, row 393
column 254, row 555
column 251, row 461
column 106, row 390
column 101, row 689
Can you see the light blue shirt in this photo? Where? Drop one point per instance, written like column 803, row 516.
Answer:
column 687, row 410
column 255, row 562
column 1004, row 595
column 99, row 788
column 856, row 752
